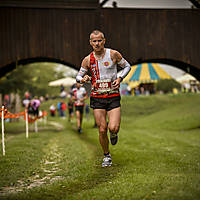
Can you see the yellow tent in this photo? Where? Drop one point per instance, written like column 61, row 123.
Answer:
column 145, row 73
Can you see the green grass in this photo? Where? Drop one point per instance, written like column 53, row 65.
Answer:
column 157, row 157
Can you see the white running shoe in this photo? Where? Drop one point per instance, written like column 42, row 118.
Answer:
column 107, row 161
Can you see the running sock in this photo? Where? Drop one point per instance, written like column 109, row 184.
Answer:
column 107, row 154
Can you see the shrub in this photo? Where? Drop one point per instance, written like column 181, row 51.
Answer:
column 167, row 85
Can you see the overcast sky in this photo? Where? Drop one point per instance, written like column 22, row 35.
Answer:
column 150, row 3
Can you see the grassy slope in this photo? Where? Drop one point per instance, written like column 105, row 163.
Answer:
column 157, row 156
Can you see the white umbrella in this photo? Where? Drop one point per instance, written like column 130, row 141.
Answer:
column 63, row 81
column 185, row 78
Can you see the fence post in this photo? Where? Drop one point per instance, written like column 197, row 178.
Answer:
column 2, row 122
column 36, row 126
column 26, row 117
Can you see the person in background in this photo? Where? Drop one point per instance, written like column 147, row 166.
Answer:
column 26, row 99
column 63, row 94
column 70, row 107
column 53, row 110
column 59, row 108
column 62, row 88
column 79, row 95
column 137, row 91
column 63, row 109
column 6, row 100
column 30, row 109
column 35, row 103
column 26, row 102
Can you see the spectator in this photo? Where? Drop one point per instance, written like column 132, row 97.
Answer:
column 63, row 94
column 63, row 109
column 62, row 88
column 59, row 108
column 35, row 103
column 53, row 110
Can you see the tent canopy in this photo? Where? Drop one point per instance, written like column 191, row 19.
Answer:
column 145, row 73
column 186, row 78
column 63, row 81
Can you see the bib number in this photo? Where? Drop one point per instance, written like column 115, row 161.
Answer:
column 103, row 85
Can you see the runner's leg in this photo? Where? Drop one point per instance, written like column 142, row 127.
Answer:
column 81, row 119
column 100, row 118
column 114, row 123
column 78, row 120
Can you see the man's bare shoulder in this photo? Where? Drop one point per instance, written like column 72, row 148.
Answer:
column 115, row 55
column 86, row 61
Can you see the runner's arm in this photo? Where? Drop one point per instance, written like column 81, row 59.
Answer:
column 117, row 58
column 74, row 98
column 123, row 64
column 81, row 76
column 85, row 97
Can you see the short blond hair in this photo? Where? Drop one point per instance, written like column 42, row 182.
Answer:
column 96, row 32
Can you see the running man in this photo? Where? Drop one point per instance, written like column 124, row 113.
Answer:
column 79, row 95
column 105, row 97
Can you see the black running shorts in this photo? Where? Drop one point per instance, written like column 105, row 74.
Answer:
column 105, row 103
column 70, row 111
column 79, row 108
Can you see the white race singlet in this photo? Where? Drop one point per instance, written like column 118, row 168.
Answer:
column 104, row 72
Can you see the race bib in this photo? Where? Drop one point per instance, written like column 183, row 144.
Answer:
column 103, row 85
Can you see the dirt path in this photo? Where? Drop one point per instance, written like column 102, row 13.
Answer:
column 49, row 166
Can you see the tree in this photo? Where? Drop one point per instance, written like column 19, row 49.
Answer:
column 167, row 85
column 15, row 81
column 32, row 77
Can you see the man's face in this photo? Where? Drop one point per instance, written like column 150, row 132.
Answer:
column 78, row 85
column 97, row 42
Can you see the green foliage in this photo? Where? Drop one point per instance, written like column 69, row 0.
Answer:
column 157, row 156
column 167, row 85
column 33, row 78
column 15, row 81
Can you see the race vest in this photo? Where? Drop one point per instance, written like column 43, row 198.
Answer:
column 104, row 72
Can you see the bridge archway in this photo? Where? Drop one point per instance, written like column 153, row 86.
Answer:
column 11, row 66
column 194, row 71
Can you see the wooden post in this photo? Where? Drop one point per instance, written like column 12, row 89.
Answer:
column 2, row 122
column 1, row 102
column 26, row 116
column 36, row 126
